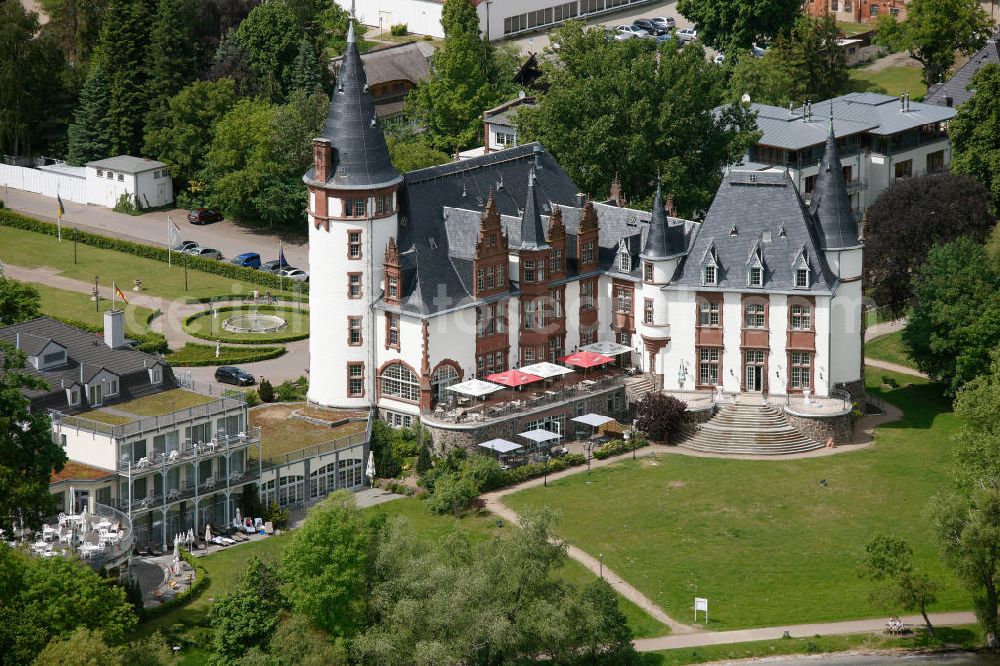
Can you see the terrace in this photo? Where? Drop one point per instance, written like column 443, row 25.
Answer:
column 102, row 539
column 835, row 404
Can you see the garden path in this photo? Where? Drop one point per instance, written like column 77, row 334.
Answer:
column 885, row 328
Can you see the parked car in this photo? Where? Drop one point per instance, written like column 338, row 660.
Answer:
column 294, row 274
column 686, row 35
column 274, row 266
column 247, row 260
column 629, row 32
column 648, row 26
column 228, row 374
column 757, row 51
column 666, row 22
column 205, row 252
column 204, row 216
column 719, row 59
column 664, row 38
column 185, row 245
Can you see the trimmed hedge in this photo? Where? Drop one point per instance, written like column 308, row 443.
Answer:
column 534, row 470
column 200, row 580
column 229, row 355
column 223, row 268
column 617, row 446
column 249, row 338
column 226, row 298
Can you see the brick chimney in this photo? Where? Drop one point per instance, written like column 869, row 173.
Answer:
column 322, row 159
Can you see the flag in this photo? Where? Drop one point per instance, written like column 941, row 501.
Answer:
column 281, row 256
column 121, row 295
column 173, row 233
column 60, row 210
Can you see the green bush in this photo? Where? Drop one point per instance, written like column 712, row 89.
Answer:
column 277, row 516
column 128, row 204
column 292, row 390
column 452, row 493
column 533, row 470
column 618, row 446
column 266, row 391
column 252, row 398
column 224, row 268
column 424, row 463
column 485, row 473
column 399, row 30
column 200, row 580
column 194, row 355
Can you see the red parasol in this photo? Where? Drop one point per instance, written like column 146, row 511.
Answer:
column 586, row 359
column 513, row 378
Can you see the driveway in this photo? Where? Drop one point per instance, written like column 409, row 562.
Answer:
column 151, row 228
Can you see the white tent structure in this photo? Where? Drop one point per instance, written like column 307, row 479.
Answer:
column 593, row 420
column 540, row 436
column 500, row 445
column 547, row 370
column 607, row 347
column 475, row 388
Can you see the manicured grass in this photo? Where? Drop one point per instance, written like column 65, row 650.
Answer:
column 765, row 541
column 209, row 326
column 965, row 636
column 889, row 348
column 193, row 354
column 281, row 434
column 31, row 250
column 162, row 403
column 107, row 417
column 891, row 81
column 850, row 29
column 77, row 306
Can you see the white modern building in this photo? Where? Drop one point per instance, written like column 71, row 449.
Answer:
column 497, row 18
column 458, row 271
column 880, row 139
column 147, row 180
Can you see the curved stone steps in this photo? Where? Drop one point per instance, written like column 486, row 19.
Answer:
column 747, row 430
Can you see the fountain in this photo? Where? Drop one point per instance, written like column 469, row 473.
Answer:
column 254, row 322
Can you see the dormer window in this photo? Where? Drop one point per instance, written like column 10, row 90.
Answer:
column 709, row 277
column 801, row 278
column 156, row 374
column 625, row 262
column 755, row 276
column 73, row 396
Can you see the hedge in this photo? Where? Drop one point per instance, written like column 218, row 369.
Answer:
column 223, row 268
column 250, row 338
column 533, row 470
column 617, row 446
column 200, row 580
column 225, row 298
column 235, row 355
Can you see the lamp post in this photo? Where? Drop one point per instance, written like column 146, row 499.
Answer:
column 600, row 558
column 74, row 245
column 590, row 448
column 97, row 294
column 185, row 271
column 545, row 480
column 628, row 440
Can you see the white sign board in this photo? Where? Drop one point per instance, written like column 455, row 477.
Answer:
column 700, row 604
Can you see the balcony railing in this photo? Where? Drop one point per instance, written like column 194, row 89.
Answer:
column 190, row 451
column 206, row 487
column 145, row 424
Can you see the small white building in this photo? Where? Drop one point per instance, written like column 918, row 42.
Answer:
column 109, row 179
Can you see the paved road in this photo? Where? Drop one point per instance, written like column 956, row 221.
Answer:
column 151, row 228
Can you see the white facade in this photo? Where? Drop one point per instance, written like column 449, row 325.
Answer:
column 149, row 180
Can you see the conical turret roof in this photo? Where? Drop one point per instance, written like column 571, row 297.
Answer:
column 532, row 232
column 660, row 242
column 831, row 205
column 360, row 155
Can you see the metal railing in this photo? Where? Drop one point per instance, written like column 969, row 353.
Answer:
column 190, row 451
column 207, row 486
column 148, row 423
column 328, row 446
column 838, row 402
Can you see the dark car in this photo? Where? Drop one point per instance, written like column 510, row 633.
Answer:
column 648, row 26
column 274, row 266
column 665, row 22
column 204, row 216
column 247, row 260
column 228, row 374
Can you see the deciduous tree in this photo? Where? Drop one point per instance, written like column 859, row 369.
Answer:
column 19, row 301
column 77, row 25
column 977, row 454
column 248, row 616
column 817, row 63
column 734, row 25
column 412, row 155
column 934, row 30
column 766, row 80
column 888, row 560
column 975, row 133
column 271, row 36
column 659, row 416
column 907, row 220
column 955, row 321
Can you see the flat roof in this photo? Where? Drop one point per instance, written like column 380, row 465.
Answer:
column 77, row 471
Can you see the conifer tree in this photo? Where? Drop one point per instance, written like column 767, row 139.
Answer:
column 88, row 135
column 124, row 44
column 172, row 60
column 306, row 74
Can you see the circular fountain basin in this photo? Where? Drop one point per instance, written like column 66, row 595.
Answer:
column 254, row 323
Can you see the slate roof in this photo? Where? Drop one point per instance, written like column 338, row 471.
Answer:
column 830, row 205
column 532, row 232
column 663, row 240
column 87, row 355
column 127, row 164
column 768, row 214
column 360, row 156
column 957, row 86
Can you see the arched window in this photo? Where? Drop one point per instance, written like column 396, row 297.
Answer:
column 398, row 381
column 443, row 377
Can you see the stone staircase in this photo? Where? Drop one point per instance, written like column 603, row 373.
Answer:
column 637, row 387
column 758, row 430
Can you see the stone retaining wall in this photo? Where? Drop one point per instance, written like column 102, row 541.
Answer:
column 820, row 428
column 857, row 391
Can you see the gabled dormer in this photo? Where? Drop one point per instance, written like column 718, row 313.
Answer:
column 392, row 292
column 489, row 264
column 801, row 273
column 557, row 240
column 624, row 260
column 52, row 355
column 755, row 267
column 710, row 267
column 587, row 246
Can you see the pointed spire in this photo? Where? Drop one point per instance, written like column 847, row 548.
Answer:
column 351, row 39
column 391, row 253
column 658, row 244
column 532, row 232
column 831, row 205
column 557, row 229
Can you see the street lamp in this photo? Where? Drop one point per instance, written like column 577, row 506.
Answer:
column 600, row 558
column 97, row 294
column 545, row 480
column 590, row 448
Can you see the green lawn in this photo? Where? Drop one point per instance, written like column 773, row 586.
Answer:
column 77, row 306
column 889, row 348
column 891, row 81
column 162, row 403
column 765, row 541
column 851, row 29
column 281, row 434
column 209, row 326
column 31, row 250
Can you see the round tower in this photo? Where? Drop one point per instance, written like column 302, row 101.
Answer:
column 660, row 254
column 353, row 212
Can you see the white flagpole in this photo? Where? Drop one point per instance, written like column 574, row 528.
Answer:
column 114, row 292
column 169, row 252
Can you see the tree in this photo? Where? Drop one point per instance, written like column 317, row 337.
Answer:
column 975, row 133
column 306, row 73
column 955, row 321
column 452, row 493
column 659, row 416
column 934, row 30
column 187, row 131
column 386, row 464
column 733, row 26
column 424, row 463
column 413, row 155
column 299, row 643
column 888, row 560
column 817, row 63
column 83, row 647
column 247, row 616
column 631, row 108
column 271, row 37
column 326, row 564
column 89, row 135
column 766, row 80
column 76, row 24
column 28, row 454
column 265, row 391
column 907, row 220
column 977, row 454
column 968, row 530
column 465, row 79
column 19, row 301
column 33, row 83
column 173, row 58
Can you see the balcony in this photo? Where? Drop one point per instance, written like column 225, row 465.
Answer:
column 185, row 493
column 102, row 539
column 189, row 452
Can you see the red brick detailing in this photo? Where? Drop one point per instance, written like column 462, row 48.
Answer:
column 489, row 265
column 393, row 291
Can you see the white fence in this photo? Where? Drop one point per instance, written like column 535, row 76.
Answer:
column 70, row 188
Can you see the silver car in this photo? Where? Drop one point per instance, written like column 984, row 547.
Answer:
column 294, row 274
column 204, row 252
column 629, row 32
column 686, row 35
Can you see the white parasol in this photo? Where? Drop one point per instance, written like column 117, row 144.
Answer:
column 239, row 518
column 208, row 533
column 370, row 471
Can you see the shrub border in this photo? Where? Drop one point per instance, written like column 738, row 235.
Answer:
column 235, row 339
column 14, row 220
column 252, row 355
column 188, row 595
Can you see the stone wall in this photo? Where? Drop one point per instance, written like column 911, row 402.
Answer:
column 857, row 391
column 447, row 436
column 819, row 428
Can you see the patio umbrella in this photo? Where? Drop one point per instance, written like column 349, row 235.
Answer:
column 208, row 533
column 607, row 348
column 586, row 359
column 500, row 445
column 546, row 370
column 593, row 420
column 513, row 378
column 539, row 435
column 370, row 471
column 475, row 388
